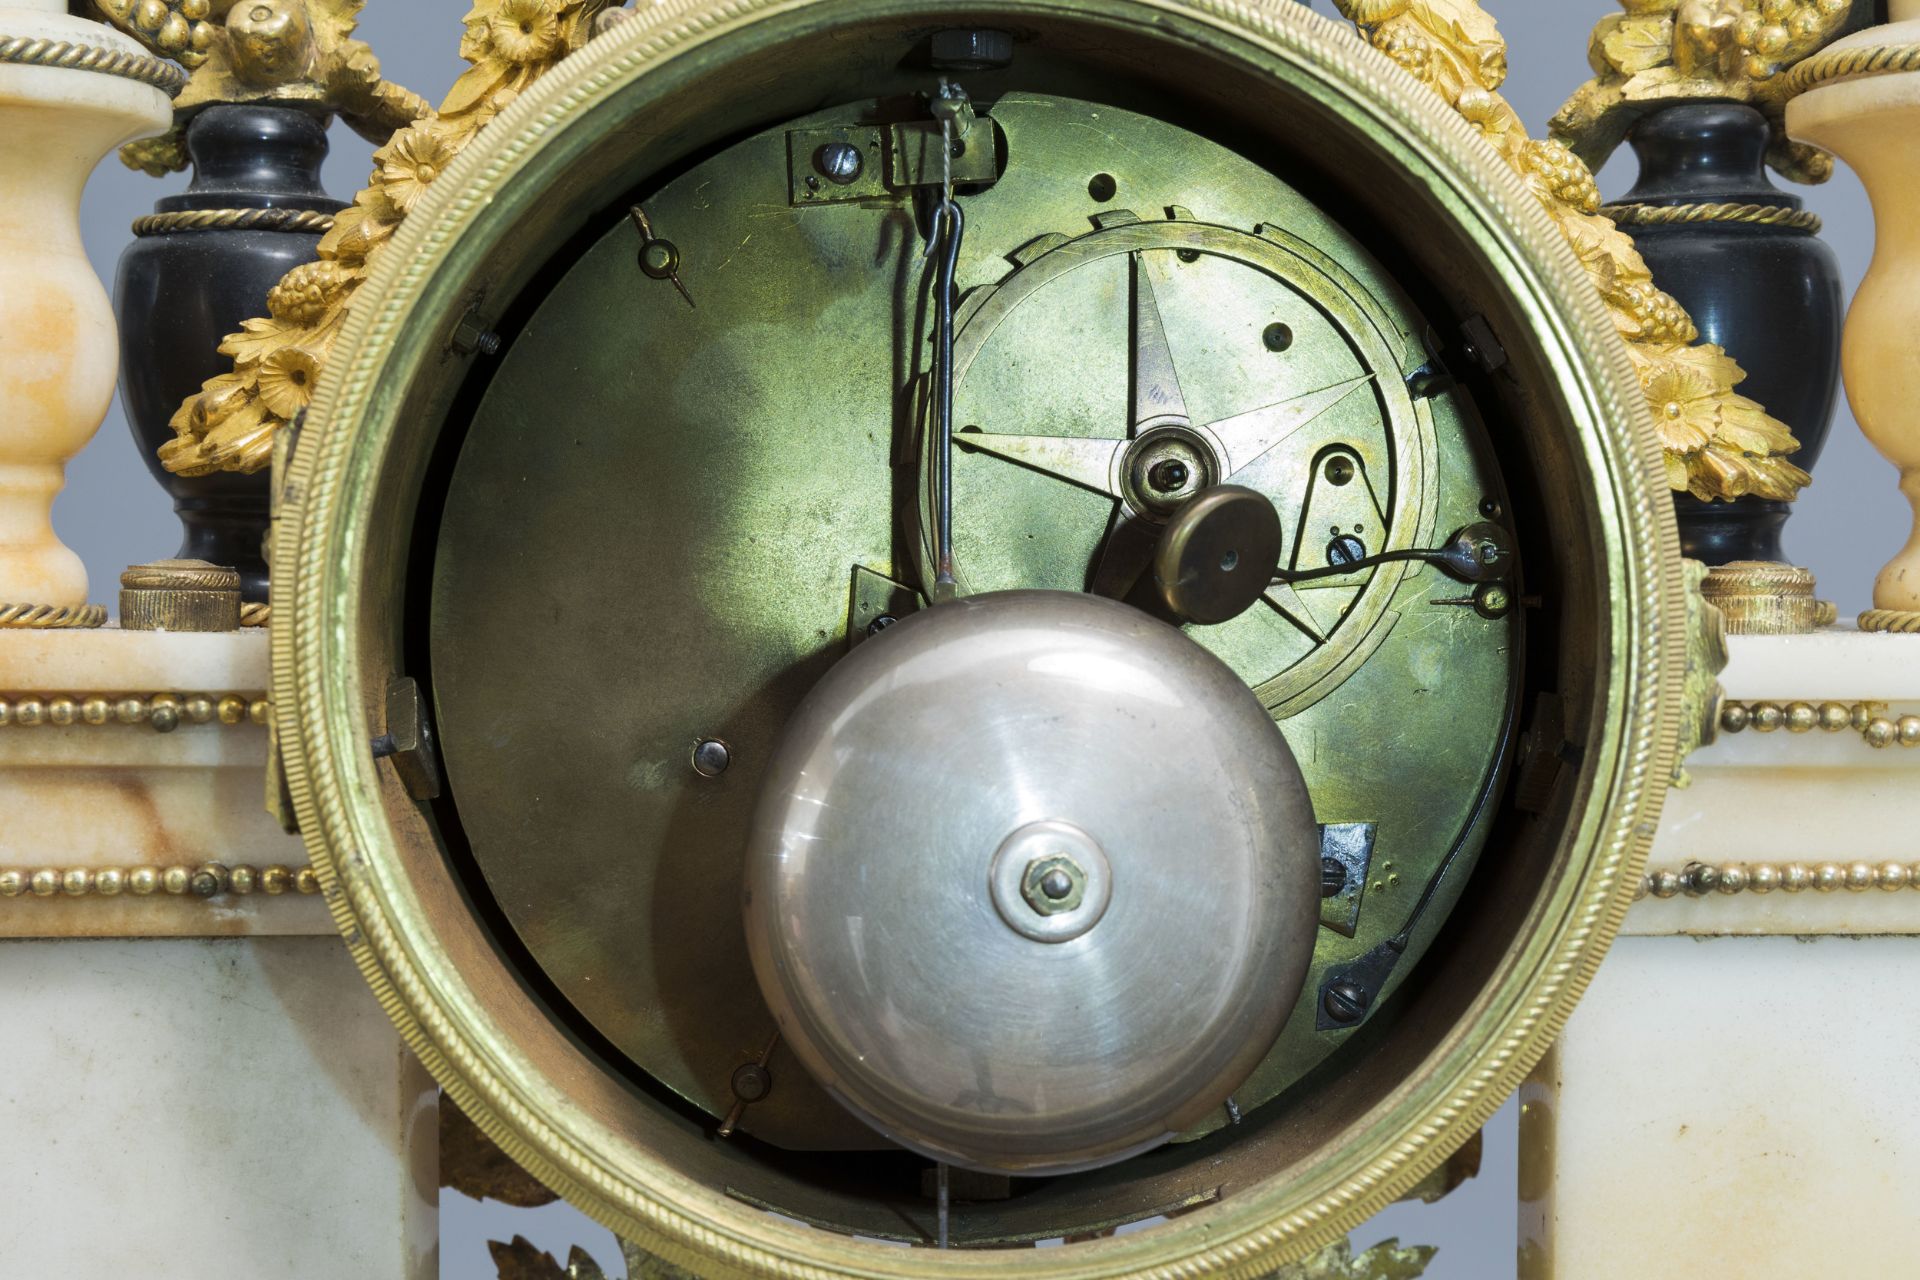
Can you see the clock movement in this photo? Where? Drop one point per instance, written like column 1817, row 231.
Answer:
column 968, row 626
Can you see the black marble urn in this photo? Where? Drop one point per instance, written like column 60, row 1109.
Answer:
column 1767, row 289
column 180, row 291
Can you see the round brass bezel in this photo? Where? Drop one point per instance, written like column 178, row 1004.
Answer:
column 347, row 506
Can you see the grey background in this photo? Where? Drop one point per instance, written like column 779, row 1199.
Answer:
column 1848, row 524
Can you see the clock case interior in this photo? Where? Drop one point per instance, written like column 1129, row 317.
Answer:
column 1435, row 246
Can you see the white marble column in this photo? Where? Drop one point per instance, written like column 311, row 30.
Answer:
column 58, row 349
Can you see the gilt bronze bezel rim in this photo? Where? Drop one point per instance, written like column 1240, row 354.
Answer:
column 329, row 680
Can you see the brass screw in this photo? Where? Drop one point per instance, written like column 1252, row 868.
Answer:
column 1492, row 600
column 1054, row 885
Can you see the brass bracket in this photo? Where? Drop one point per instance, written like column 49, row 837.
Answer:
column 892, row 159
column 408, row 741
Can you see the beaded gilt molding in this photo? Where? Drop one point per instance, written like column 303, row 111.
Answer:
column 1699, row 879
column 1878, row 729
column 161, row 712
column 141, row 880
column 1868, row 719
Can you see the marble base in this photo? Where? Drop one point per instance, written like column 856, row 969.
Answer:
column 1729, row 1097
column 177, row 1104
column 1729, row 1107
column 176, row 1109
column 125, row 795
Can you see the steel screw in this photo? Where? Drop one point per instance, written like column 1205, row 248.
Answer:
column 841, row 162
column 880, row 624
column 1333, row 877
column 711, row 758
column 1346, row 549
column 752, row 1082
column 471, row 336
column 1345, row 1003
column 1169, row 476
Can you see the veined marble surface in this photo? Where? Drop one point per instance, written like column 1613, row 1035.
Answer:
column 123, row 795
column 1733, row 1095
column 186, row 1108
